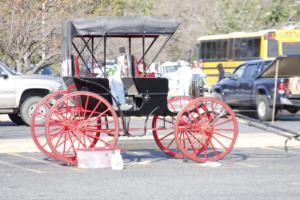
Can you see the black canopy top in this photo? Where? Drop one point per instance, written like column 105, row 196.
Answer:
column 112, row 26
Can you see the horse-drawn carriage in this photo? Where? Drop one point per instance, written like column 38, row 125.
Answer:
column 83, row 115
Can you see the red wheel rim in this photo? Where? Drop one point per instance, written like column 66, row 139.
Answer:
column 39, row 117
column 164, row 126
column 76, row 122
column 206, row 130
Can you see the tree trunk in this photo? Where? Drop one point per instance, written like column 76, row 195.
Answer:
column 19, row 66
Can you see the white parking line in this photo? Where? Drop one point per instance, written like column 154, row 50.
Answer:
column 45, row 162
column 21, row 167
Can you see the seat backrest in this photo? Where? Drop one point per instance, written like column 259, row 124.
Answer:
column 99, row 86
column 152, row 85
column 129, row 86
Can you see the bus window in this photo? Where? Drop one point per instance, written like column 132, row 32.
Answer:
column 291, row 48
column 230, row 49
column 225, row 49
column 272, row 48
column 246, row 48
column 219, row 50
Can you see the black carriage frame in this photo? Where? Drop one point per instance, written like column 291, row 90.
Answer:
column 152, row 93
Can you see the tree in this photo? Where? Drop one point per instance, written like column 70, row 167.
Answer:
column 123, row 7
column 27, row 35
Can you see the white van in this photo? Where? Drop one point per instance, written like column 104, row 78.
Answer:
column 169, row 71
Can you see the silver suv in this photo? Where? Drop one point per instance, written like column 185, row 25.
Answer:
column 19, row 94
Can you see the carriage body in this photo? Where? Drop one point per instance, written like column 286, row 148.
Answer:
column 84, row 116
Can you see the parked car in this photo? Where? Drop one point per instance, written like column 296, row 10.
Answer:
column 19, row 94
column 251, row 86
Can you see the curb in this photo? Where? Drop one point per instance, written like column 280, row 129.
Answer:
column 245, row 140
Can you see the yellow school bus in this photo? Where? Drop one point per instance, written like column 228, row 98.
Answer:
column 232, row 49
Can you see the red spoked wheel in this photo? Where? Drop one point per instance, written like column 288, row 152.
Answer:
column 38, row 119
column 206, row 130
column 81, row 120
column 164, row 126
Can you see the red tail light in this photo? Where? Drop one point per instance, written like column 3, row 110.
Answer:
column 270, row 36
column 281, row 87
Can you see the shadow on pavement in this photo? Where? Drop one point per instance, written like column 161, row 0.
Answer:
column 7, row 123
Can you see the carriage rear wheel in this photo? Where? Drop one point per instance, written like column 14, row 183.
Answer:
column 81, row 120
column 164, row 126
column 39, row 117
column 206, row 130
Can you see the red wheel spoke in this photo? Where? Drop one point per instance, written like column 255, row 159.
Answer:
column 79, row 139
column 171, row 142
column 218, row 117
column 106, row 123
column 224, row 122
column 40, row 134
column 98, row 138
column 197, row 139
column 58, row 140
column 91, row 114
column 213, row 147
column 217, row 133
column 192, row 146
column 85, row 107
column 219, row 142
column 59, row 128
column 39, row 125
column 165, row 120
column 72, row 143
column 172, row 107
column 45, row 144
column 166, row 135
column 48, row 105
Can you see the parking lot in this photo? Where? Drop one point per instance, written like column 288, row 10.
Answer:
column 251, row 171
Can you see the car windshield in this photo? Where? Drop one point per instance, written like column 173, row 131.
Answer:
column 7, row 68
column 171, row 69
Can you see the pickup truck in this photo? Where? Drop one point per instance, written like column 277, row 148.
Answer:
column 19, row 94
column 251, row 86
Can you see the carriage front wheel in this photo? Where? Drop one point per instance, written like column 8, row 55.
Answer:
column 206, row 129
column 80, row 120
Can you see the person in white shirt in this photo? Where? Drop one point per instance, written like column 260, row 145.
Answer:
column 117, row 87
column 184, row 78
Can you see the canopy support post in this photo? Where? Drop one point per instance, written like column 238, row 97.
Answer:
column 143, row 54
column 93, row 56
column 93, row 50
column 79, row 54
column 104, row 57
column 275, row 89
column 148, row 49
column 129, row 45
column 161, row 48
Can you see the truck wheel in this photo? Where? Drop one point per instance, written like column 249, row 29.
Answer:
column 293, row 110
column 16, row 118
column 28, row 107
column 263, row 109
